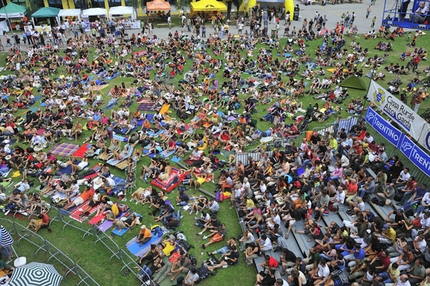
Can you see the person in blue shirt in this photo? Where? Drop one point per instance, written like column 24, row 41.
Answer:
column 357, row 253
column 417, row 196
column 182, row 199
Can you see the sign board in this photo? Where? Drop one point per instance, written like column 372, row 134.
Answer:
column 412, row 151
column 401, row 113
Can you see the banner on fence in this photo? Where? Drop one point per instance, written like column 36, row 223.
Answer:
column 402, row 114
column 414, row 153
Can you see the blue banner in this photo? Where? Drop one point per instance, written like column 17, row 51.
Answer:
column 415, row 154
column 383, row 127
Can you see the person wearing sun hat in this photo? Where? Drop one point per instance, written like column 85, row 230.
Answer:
column 144, row 235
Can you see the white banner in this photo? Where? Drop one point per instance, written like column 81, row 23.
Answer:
column 402, row 114
column 4, row 27
column 425, row 137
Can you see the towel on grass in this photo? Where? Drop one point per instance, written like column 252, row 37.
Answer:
column 64, row 149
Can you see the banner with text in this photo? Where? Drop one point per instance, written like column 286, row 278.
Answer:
column 415, row 154
column 402, row 114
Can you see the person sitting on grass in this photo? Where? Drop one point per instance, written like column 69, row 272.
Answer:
column 42, row 221
column 216, row 236
column 182, row 199
column 191, row 278
column 212, row 224
column 144, row 235
column 229, row 258
column 7, row 269
column 113, row 213
column 151, row 256
column 181, row 265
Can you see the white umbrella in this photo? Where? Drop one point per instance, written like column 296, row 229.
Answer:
column 35, row 274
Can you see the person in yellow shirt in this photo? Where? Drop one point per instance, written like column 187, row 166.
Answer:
column 144, row 235
column 333, row 143
column 388, row 234
column 114, row 211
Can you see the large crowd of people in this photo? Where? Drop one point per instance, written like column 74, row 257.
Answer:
column 201, row 79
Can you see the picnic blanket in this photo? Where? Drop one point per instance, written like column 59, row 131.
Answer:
column 76, row 213
column 81, row 151
column 120, row 138
column 121, row 232
column 67, row 170
column 98, row 87
column 164, row 109
column 138, row 250
column 96, row 219
column 64, row 149
column 170, row 183
column 105, row 225
column 146, row 106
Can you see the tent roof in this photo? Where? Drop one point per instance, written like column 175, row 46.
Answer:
column 94, row 12
column 354, row 82
column 121, row 10
column 46, row 12
column 69, row 12
column 208, row 5
column 158, row 5
column 13, row 11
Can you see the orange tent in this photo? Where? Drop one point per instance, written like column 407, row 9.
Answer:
column 158, row 5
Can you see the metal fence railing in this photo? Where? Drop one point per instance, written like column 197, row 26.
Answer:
column 53, row 253
column 93, row 231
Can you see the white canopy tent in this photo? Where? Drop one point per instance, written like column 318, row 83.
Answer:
column 123, row 10
column 94, row 12
column 70, row 12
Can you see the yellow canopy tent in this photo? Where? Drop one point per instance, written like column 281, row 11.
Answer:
column 158, row 5
column 208, row 6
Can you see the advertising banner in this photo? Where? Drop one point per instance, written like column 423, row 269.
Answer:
column 414, row 153
column 402, row 114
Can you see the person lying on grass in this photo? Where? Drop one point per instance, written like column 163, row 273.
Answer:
column 229, row 258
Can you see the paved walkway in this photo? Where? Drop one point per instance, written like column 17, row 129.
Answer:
column 333, row 13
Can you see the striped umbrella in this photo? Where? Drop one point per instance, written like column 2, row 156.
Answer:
column 6, row 238
column 35, row 274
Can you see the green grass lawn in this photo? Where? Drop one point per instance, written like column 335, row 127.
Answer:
column 95, row 258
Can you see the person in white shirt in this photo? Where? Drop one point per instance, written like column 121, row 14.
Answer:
column 403, row 280
column 265, row 243
column 421, row 13
column 420, row 244
column 339, row 198
column 191, row 277
column 403, row 177
column 322, row 272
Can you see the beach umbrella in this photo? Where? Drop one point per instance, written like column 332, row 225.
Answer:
column 6, row 239
column 35, row 274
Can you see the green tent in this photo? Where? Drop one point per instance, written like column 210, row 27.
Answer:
column 12, row 10
column 46, row 12
column 354, row 82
